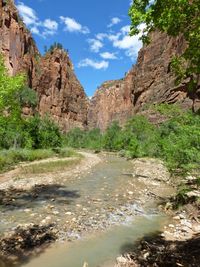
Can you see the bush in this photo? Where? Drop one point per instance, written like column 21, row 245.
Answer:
column 78, row 138
column 112, row 139
column 176, row 141
column 43, row 132
column 180, row 141
column 10, row 157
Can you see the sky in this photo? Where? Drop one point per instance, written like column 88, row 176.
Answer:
column 96, row 34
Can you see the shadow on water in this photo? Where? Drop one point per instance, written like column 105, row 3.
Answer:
column 13, row 198
column 154, row 250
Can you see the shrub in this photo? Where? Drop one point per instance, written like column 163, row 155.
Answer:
column 43, row 132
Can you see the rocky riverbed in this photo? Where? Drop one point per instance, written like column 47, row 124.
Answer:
column 100, row 192
column 178, row 244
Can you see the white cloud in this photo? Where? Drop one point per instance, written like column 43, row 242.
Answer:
column 95, row 45
column 101, row 36
column 28, row 14
column 125, row 29
column 131, row 44
column 123, row 41
column 94, row 64
column 35, row 30
column 108, row 55
column 71, row 25
column 50, row 24
column 114, row 21
column 30, row 18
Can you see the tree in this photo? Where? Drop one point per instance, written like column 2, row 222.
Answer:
column 10, row 89
column 175, row 17
column 11, row 123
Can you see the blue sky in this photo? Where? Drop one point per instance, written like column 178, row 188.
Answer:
column 96, row 33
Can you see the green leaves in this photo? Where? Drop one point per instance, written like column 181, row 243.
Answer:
column 10, row 88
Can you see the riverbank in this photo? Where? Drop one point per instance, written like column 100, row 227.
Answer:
column 178, row 244
column 100, row 192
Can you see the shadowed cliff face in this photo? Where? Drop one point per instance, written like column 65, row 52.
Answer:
column 60, row 93
column 149, row 82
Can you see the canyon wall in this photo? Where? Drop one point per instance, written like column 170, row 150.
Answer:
column 60, row 93
column 52, row 77
column 16, row 43
column 149, row 82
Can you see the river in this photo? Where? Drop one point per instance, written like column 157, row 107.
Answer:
column 103, row 211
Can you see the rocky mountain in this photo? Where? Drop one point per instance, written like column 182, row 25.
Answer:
column 149, row 82
column 112, row 101
column 60, row 93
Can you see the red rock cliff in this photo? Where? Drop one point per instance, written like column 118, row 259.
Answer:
column 60, row 93
column 16, row 43
column 148, row 82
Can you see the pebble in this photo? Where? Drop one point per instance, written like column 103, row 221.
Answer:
column 196, row 227
column 56, row 212
column 68, row 213
column 177, row 218
column 27, row 210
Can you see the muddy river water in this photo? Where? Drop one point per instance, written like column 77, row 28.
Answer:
column 103, row 211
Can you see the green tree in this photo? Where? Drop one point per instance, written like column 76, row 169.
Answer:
column 10, row 89
column 112, row 137
column 11, row 123
column 175, row 17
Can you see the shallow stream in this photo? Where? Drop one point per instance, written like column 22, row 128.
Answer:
column 104, row 211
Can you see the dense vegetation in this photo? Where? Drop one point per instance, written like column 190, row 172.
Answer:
column 177, row 140
column 16, row 131
column 18, row 134
column 175, row 17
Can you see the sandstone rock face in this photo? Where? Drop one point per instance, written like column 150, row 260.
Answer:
column 16, row 43
column 149, row 82
column 111, row 102
column 60, row 93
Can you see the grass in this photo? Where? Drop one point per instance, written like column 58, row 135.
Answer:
column 9, row 158
column 51, row 166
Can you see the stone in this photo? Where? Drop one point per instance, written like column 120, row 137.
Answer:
column 121, row 260
column 55, row 212
column 177, row 218
column 196, row 227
